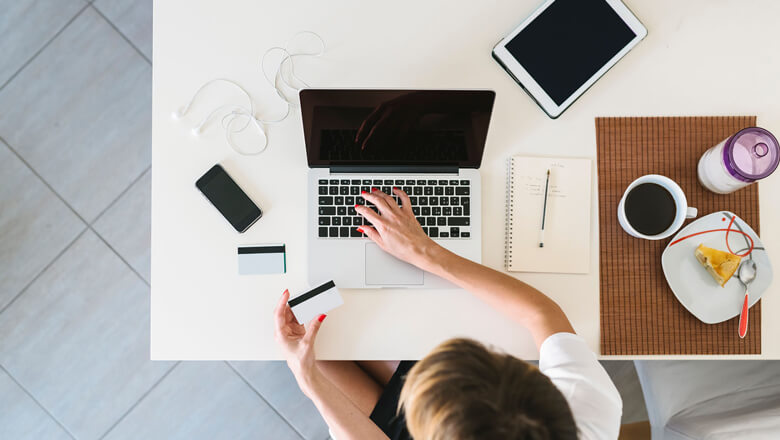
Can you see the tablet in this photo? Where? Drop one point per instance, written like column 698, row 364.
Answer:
column 565, row 46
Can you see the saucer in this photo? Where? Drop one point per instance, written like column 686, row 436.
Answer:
column 694, row 287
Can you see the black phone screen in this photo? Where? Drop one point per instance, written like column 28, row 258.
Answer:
column 228, row 198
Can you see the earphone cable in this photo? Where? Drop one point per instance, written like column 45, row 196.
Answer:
column 236, row 112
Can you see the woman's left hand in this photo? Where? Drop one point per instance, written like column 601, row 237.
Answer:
column 297, row 342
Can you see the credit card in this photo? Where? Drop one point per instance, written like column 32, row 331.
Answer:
column 262, row 259
column 315, row 302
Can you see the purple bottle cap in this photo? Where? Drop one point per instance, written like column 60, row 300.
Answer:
column 751, row 154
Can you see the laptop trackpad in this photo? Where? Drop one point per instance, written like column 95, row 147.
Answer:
column 383, row 268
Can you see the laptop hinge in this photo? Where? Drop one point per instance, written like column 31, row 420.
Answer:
column 392, row 169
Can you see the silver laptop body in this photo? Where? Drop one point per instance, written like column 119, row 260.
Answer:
column 427, row 142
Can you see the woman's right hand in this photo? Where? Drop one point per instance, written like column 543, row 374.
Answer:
column 396, row 230
column 296, row 342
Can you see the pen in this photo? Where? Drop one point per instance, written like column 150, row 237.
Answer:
column 544, row 210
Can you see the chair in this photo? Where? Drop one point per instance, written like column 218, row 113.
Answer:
column 712, row 399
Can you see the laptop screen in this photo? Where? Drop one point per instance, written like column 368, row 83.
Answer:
column 395, row 127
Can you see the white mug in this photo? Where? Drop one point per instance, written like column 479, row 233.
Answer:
column 682, row 210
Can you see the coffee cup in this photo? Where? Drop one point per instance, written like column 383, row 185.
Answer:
column 653, row 207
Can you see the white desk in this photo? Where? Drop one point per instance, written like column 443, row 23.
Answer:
column 699, row 58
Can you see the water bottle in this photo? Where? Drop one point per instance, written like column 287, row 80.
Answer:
column 746, row 157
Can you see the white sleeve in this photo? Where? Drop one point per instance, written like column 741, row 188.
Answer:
column 594, row 401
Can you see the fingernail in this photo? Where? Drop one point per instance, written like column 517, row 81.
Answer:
column 360, row 230
column 321, row 318
column 363, row 192
column 374, row 189
column 395, row 189
column 356, row 206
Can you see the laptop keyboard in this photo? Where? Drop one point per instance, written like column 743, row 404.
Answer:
column 442, row 207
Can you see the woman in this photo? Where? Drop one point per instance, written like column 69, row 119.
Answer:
column 461, row 390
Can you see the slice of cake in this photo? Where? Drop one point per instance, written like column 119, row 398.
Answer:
column 721, row 265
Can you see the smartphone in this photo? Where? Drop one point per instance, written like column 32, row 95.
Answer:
column 229, row 199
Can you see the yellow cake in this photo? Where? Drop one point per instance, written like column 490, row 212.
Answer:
column 721, row 265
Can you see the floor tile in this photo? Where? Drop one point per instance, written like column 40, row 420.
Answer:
column 127, row 225
column 80, row 114
column 78, row 338
column 21, row 417
column 133, row 18
column 202, row 400
column 624, row 376
column 35, row 226
column 26, row 26
column 276, row 383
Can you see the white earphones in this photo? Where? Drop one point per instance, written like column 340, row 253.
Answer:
column 234, row 112
column 178, row 114
column 289, row 57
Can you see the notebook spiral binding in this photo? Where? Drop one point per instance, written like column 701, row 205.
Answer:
column 509, row 213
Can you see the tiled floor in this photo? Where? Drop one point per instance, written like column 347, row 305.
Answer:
column 75, row 133
column 75, row 184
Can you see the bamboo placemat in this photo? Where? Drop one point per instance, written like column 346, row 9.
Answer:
column 639, row 313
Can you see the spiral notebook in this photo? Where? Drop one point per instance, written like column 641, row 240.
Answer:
column 566, row 217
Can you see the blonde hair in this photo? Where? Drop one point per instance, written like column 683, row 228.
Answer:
column 463, row 391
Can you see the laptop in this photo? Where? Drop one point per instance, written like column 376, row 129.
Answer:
column 428, row 143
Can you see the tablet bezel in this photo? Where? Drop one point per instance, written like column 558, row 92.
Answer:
column 526, row 81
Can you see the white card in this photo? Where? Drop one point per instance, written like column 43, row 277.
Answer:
column 262, row 259
column 315, row 302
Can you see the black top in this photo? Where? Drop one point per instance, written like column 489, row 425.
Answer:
column 384, row 413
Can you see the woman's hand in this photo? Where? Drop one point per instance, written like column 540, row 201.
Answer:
column 297, row 342
column 396, row 230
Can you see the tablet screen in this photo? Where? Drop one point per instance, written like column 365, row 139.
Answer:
column 568, row 43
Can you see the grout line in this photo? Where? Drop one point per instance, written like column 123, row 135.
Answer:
column 38, row 52
column 88, row 224
column 137, row 402
column 121, row 34
column 129, row 266
column 45, row 182
column 41, row 272
column 124, row 191
column 67, row 431
column 265, row 400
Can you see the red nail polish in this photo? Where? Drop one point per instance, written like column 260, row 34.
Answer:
column 395, row 189
column 321, row 318
column 363, row 192
column 360, row 230
column 356, row 206
column 374, row 189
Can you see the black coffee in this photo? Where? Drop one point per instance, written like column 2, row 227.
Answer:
column 650, row 208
